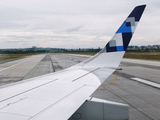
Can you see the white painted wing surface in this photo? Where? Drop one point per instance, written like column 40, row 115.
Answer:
column 55, row 96
column 58, row 95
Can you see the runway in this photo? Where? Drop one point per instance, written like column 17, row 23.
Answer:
column 142, row 98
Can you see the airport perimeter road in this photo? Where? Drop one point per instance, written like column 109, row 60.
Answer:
column 136, row 85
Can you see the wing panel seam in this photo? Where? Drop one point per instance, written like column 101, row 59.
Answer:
column 59, row 101
column 29, row 90
column 85, row 74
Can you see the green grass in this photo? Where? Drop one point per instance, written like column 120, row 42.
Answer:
column 143, row 55
column 135, row 55
column 12, row 56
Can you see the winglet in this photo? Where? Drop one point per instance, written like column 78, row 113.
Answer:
column 137, row 12
column 122, row 37
column 112, row 54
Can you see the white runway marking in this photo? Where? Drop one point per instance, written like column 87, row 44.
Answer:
column 147, row 82
column 75, row 60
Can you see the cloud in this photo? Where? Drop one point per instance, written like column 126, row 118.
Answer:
column 84, row 23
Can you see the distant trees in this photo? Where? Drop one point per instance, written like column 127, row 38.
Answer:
column 34, row 49
column 21, row 51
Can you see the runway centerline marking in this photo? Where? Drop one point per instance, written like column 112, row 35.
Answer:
column 110, row 82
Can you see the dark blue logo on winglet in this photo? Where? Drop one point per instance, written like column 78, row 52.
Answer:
column 124, row 34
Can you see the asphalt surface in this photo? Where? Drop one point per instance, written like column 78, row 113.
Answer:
column 16, row 70
column 144, row 100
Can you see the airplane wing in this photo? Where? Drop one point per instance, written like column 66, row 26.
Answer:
column 57, row 96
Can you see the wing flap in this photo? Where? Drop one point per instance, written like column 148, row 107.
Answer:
column 63, row 109
column 40, row 106
column 58, row 95
column 12, row 91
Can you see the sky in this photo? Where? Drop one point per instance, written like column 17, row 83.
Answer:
column 73, row 23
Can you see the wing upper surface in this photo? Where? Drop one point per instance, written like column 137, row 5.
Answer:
column 58, row 95
column 49, row 97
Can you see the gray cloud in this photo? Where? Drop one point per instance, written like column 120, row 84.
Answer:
column 81, row 23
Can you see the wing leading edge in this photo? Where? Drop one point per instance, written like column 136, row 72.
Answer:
column 58, row 95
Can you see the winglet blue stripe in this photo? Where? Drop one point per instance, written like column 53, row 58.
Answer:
column 124, row 29
column 124, row 34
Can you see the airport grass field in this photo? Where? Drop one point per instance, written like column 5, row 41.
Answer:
column 12, row 56
column 135, row 55
column 143, row 55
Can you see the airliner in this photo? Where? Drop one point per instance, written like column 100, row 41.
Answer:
column 65, row 95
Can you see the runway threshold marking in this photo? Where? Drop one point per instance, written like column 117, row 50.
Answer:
column 110, row 82
column 147, row 82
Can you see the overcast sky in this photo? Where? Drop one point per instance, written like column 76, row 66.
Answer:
column 73, row 23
